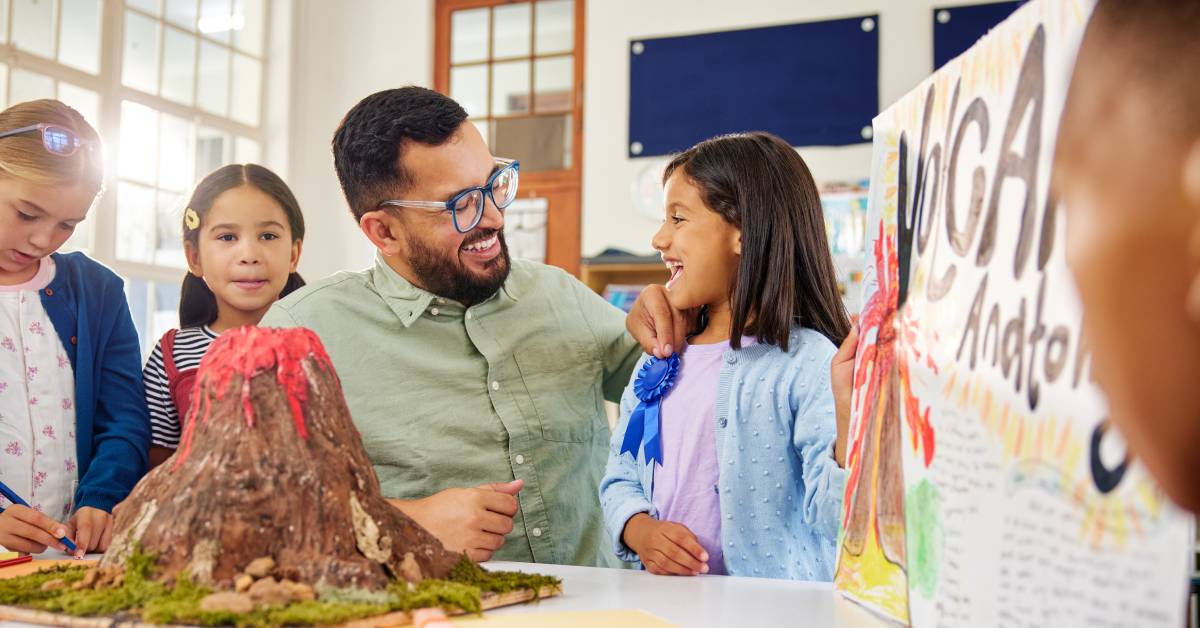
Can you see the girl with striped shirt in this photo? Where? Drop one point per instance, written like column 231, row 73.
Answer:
column 242, row 233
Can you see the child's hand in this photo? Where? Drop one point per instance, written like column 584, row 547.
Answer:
column 23, row 529
column 666, row 548
column 93, row 530
column 841, row 376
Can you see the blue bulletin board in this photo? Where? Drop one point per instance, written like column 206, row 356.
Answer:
column 957, row 28
column 813, row 84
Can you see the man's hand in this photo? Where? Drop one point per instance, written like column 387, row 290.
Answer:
column 658, row 327
column 23, row 529
column 666, row 548
column 469, row 520
column 841, row 376
column 91, row 529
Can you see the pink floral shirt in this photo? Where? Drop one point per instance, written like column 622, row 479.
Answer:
column 37, row 401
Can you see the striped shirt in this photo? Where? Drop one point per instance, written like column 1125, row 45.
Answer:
column 190, row 345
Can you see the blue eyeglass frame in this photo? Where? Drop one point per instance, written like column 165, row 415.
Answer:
column 51, row 144
column 485, row 189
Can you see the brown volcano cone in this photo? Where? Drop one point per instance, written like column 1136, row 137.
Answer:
column 270, row 465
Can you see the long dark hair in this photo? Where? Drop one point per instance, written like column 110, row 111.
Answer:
column 759, row 184
column 197, row 303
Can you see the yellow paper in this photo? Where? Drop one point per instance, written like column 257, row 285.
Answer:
column 577, row 619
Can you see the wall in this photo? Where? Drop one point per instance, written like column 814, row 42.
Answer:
column 344, row 51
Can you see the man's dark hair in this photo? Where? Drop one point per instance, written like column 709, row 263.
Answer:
column 370, row 141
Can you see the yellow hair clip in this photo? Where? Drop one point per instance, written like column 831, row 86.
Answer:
column 191, row 218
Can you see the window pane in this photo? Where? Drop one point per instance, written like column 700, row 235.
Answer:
column 210, row 151
column 79, row 45
column 137, row 292
column 33, row 26
column 166, row 308
column 249, row 38
column 510, row 88
column 183, row 13
column 539, row 143
column 3, row 21
column 28, row 85
column 555, row 27
column 3, row 85
column 174, row 154
column 85, row 101
column 469, row 87
column 140, row 65
column 139, row 143
column 216, row 19
column 552, row 84
column 247, row 85
column 213, row 90
column 247, row 151
column 149, row 6
column 469, row 35
column 179, row 66
column 512, row 31
column 135, row 223
column 169, row 231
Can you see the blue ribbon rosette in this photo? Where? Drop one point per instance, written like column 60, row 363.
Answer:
column 653, row 381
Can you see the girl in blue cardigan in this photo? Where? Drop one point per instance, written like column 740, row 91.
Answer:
column 728, row 458
column 74, row 431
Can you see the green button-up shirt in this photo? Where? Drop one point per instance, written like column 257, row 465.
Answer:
column 510, row 388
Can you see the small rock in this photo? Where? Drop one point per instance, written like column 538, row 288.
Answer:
column 243, row 582
column 78, row 586
column 269, row 592
column 56, row 584
column 227, row 602
column 299, row 591
column 261, row 567
column 90, row 578
column 119, row 580
column 410, row 570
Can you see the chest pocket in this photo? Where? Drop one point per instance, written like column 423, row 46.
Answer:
column 564, row 386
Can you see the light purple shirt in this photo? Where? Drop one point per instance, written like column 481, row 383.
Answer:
column 685, row 486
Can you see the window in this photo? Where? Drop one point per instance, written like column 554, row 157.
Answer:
column 516, row 67
column 175, row 89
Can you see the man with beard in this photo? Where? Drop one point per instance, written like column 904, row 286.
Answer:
column 476, row 381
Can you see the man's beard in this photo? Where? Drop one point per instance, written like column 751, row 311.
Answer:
column 447, row 276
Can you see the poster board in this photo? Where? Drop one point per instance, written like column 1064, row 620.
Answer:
column 984, row 486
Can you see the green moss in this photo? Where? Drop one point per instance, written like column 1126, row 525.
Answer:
column 26, row 590
column 156, row 602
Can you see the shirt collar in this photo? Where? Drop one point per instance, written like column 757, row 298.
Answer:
column 408, row 302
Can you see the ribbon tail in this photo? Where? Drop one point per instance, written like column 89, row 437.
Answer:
column 633, row 432
column 653, row 438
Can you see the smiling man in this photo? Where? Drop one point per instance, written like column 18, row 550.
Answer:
column 475, row 380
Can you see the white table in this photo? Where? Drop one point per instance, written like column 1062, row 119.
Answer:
column 696, row 601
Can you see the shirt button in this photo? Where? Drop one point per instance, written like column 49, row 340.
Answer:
column 537, row 531
column 495, row 385
column 434, row 311
column 731, row 358
column 520, row 459
column 74, row 340
column 723, row 421
column 49, row 292
column 468, row 314
column 716, row 490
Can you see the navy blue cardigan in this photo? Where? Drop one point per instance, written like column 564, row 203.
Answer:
column 86, row 303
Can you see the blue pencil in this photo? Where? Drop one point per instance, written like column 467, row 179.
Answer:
column 16, row 499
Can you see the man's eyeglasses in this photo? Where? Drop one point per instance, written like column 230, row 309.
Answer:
column 466, row 207
column 58, row 140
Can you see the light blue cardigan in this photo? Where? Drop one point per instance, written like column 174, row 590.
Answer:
column 780, row 487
